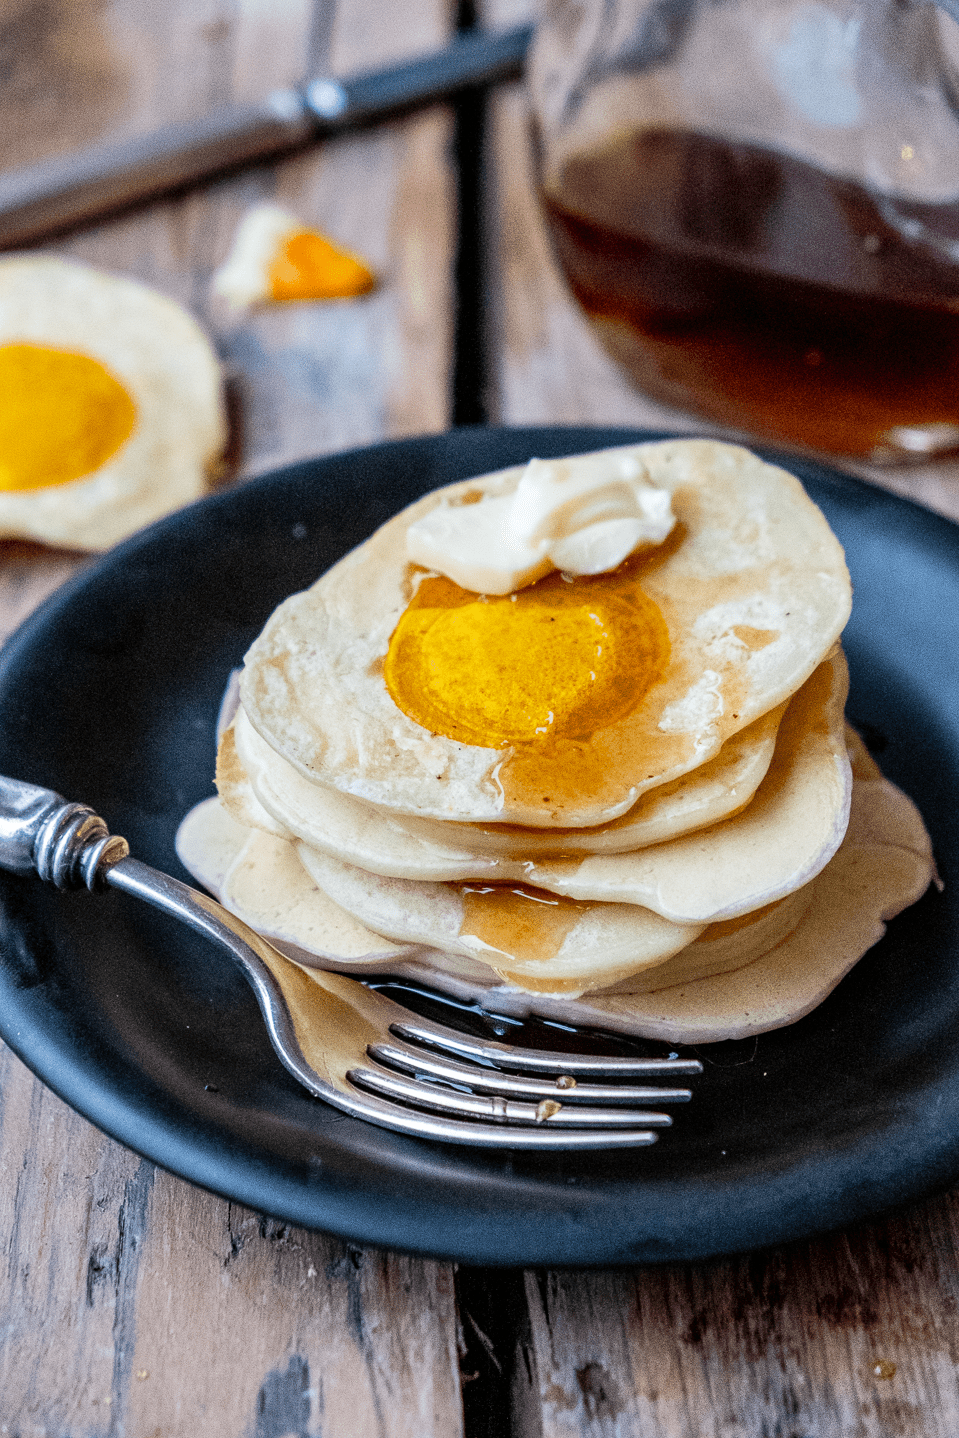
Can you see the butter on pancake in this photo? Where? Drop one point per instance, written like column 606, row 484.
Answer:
column 111, row 412
column 624, row 798
column 561, row 706
column 266, row 792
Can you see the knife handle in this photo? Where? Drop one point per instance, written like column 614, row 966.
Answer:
column 69, row 190
column 473, row 58
column 75, row 189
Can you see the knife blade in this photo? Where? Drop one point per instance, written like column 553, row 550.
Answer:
column 71, row 190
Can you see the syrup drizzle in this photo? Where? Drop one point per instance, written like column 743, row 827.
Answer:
column 522, row 923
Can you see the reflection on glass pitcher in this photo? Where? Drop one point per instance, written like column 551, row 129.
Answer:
column 757, row 204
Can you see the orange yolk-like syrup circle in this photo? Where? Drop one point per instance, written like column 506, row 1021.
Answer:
column 310, row 267
column 556, row 661
column 62, row 416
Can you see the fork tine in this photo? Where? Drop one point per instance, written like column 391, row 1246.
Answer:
column 421, row 1062
column 536, row 1061
column 498, row 1108
column 536, row 1138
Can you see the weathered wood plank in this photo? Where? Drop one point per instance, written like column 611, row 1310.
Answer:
column 851, row 1336
column 239, row 1322
column 134, row 1303
column 68, row 1199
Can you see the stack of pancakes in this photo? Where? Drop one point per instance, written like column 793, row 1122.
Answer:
column 628, row 799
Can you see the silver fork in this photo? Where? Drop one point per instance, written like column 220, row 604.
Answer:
column 350, row 1046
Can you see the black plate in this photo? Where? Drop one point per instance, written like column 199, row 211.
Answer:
column 109, row 693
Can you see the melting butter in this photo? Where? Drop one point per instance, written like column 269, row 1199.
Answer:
column 583, row 515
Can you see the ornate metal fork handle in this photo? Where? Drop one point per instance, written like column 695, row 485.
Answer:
column 67, row 844
column 347, row 1044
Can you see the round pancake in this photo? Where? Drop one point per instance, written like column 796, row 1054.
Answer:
column 250, row 772
column 785, row 836
column 792, row 827
column 752, row 590
column 56, row 312
column 547, row 938
column 884, row 864
column 258, row 877
column 725, row 946
column 208, row 842
column 236, row 790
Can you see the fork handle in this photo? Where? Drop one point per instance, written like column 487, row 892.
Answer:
column 67, row 844
column 71, row 846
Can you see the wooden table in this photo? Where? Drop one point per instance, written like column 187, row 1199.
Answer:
column 136, row 1306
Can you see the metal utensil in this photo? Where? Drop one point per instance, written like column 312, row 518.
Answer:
column 350, row 1046
column 51, row 196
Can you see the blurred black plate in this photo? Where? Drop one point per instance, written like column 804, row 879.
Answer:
column 109, row 694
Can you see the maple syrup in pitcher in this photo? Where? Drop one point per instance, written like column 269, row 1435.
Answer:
column 764, row 291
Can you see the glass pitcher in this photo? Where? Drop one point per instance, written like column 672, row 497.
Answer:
column 756, row 202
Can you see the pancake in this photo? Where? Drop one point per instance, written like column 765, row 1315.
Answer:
column 258, row 877
column 725, row 946
column 111, row 411
column 237, row 792
column 775, row 844
column 249, row 771
column 622, row 798
column 208, row 842
column 883, row 865
column 695, row 640
column 511, row 928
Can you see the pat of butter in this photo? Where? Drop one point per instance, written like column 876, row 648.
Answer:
column 243, row 279
column 583, row 515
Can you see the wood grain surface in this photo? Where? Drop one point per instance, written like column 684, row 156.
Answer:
column 136, row 1306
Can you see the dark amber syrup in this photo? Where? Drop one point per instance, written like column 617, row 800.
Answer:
column 763, row 291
